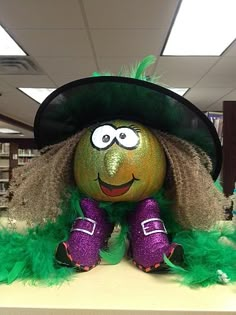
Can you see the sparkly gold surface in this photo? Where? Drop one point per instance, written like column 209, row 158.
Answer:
column 117, row 165
column 113, row 161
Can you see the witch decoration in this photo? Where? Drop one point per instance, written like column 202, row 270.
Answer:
column 119, row 151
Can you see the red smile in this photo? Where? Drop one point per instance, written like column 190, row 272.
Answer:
column 115, row 190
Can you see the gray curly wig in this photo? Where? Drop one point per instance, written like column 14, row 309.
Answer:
column 37, row 188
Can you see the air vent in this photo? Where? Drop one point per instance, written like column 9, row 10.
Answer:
column 18, row 65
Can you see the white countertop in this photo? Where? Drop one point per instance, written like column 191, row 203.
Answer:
column 119, row 289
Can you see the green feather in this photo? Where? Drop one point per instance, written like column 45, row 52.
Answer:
column 139, row 71
column 218, row 185
column 204, row 255
column 173, row 267
column 3, row 275
column 15, row 271
column 30, row 256
column 117, row 247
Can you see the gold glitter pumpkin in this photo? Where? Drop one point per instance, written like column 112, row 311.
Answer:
column 119, row 161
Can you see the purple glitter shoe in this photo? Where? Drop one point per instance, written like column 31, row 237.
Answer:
column 148, row 238
column 88, row 235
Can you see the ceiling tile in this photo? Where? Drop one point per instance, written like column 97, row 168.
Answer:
column 114, row 65
column 54, row 43
column 63, row 70
column 17, row 105
column 28, row 80
column 231, row 96
column 130, row 13
column 183, row 71
column 43, row 14
column 26, row 133
column 122, row 43
column 4, row 86
column 231, row 51
column 223, row 74
column 219, row 104
column 204, row 97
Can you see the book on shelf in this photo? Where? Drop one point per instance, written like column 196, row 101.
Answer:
column 27, row 153
column 4, row 149
column 4, row 175
column 3, row 187
column 24, row 160
column 8, row 160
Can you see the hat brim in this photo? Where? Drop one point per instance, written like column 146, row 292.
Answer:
column 83, row 102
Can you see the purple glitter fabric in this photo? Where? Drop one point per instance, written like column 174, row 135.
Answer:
column 89, row 234
column 147, row 244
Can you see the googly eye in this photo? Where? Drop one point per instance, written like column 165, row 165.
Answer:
column 103, row 136
column 127, row 137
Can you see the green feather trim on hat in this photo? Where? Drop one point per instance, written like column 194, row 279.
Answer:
column 138, row 71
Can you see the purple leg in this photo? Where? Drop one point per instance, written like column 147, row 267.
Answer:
column 88, row 235
column 148, row 238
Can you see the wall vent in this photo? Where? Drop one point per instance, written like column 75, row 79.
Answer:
column 22, row 65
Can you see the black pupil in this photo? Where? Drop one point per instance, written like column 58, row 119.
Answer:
column 106, row 138
column 122, row 135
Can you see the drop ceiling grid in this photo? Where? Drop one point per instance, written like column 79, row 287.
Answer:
column 130, row 14
column 65, row 69
column 126, row 43
column 205, row 97
column 70, row 38
column 54, row 43
column 4, row 86
column 27, row 133
column 17, row 105
column 231, row 51
column 218, row 105
column 223, row 74
column 34, row 81
column 43, row 14
column 183, row 71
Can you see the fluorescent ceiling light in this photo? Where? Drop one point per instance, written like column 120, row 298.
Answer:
column 8, row 47
column 8, row 131
column 38, row 94
column 180, row 91
column 202, row 27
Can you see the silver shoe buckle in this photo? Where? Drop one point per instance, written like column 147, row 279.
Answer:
column 89, row 232
column 148, row 230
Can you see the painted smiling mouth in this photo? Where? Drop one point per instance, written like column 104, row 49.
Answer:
column 115, row 190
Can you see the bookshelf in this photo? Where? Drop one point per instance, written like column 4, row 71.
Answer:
column 4, row 171
column 13, row 153
column 26, row 155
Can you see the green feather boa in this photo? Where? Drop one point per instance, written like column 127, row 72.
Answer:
column 30, row 256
